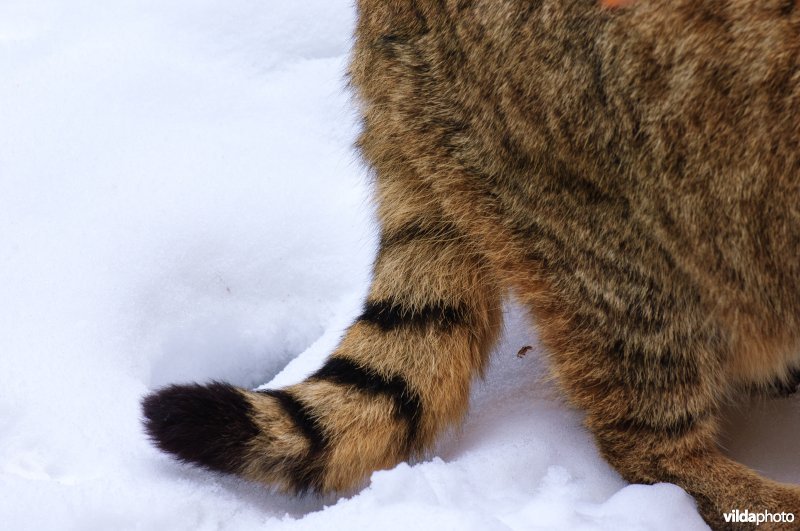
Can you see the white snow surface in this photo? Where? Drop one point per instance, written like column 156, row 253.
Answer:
column 180, row 201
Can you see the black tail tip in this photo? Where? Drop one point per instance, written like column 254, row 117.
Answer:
column 208, row 425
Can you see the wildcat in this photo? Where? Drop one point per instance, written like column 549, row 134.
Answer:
column 631, row 174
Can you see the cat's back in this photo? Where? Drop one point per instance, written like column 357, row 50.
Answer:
column 665, row 134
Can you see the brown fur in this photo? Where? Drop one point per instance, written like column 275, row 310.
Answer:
column 631, row 174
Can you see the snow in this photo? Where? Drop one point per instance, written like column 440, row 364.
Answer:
column 180, row 201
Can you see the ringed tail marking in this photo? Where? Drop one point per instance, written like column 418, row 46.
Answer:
column 389, row 315
column 407, row 402
column 305, row 474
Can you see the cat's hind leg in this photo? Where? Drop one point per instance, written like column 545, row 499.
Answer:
column 650, row 371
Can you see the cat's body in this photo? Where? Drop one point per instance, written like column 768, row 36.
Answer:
column 632, row 175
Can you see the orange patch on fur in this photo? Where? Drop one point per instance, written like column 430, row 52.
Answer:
column 615, row 3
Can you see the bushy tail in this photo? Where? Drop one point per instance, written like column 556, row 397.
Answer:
column 400, row 375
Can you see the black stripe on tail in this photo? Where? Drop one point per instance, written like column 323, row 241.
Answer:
column 208, row 425
column 306, row 474
column 408, row 404
column 389, row 315
column 302, row 418
column 418, row 232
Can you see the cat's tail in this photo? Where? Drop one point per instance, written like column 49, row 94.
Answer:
column 400, row 375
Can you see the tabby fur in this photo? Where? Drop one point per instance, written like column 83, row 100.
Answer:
column 632, row 175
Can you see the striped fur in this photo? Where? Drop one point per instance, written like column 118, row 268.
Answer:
column 630, row 173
